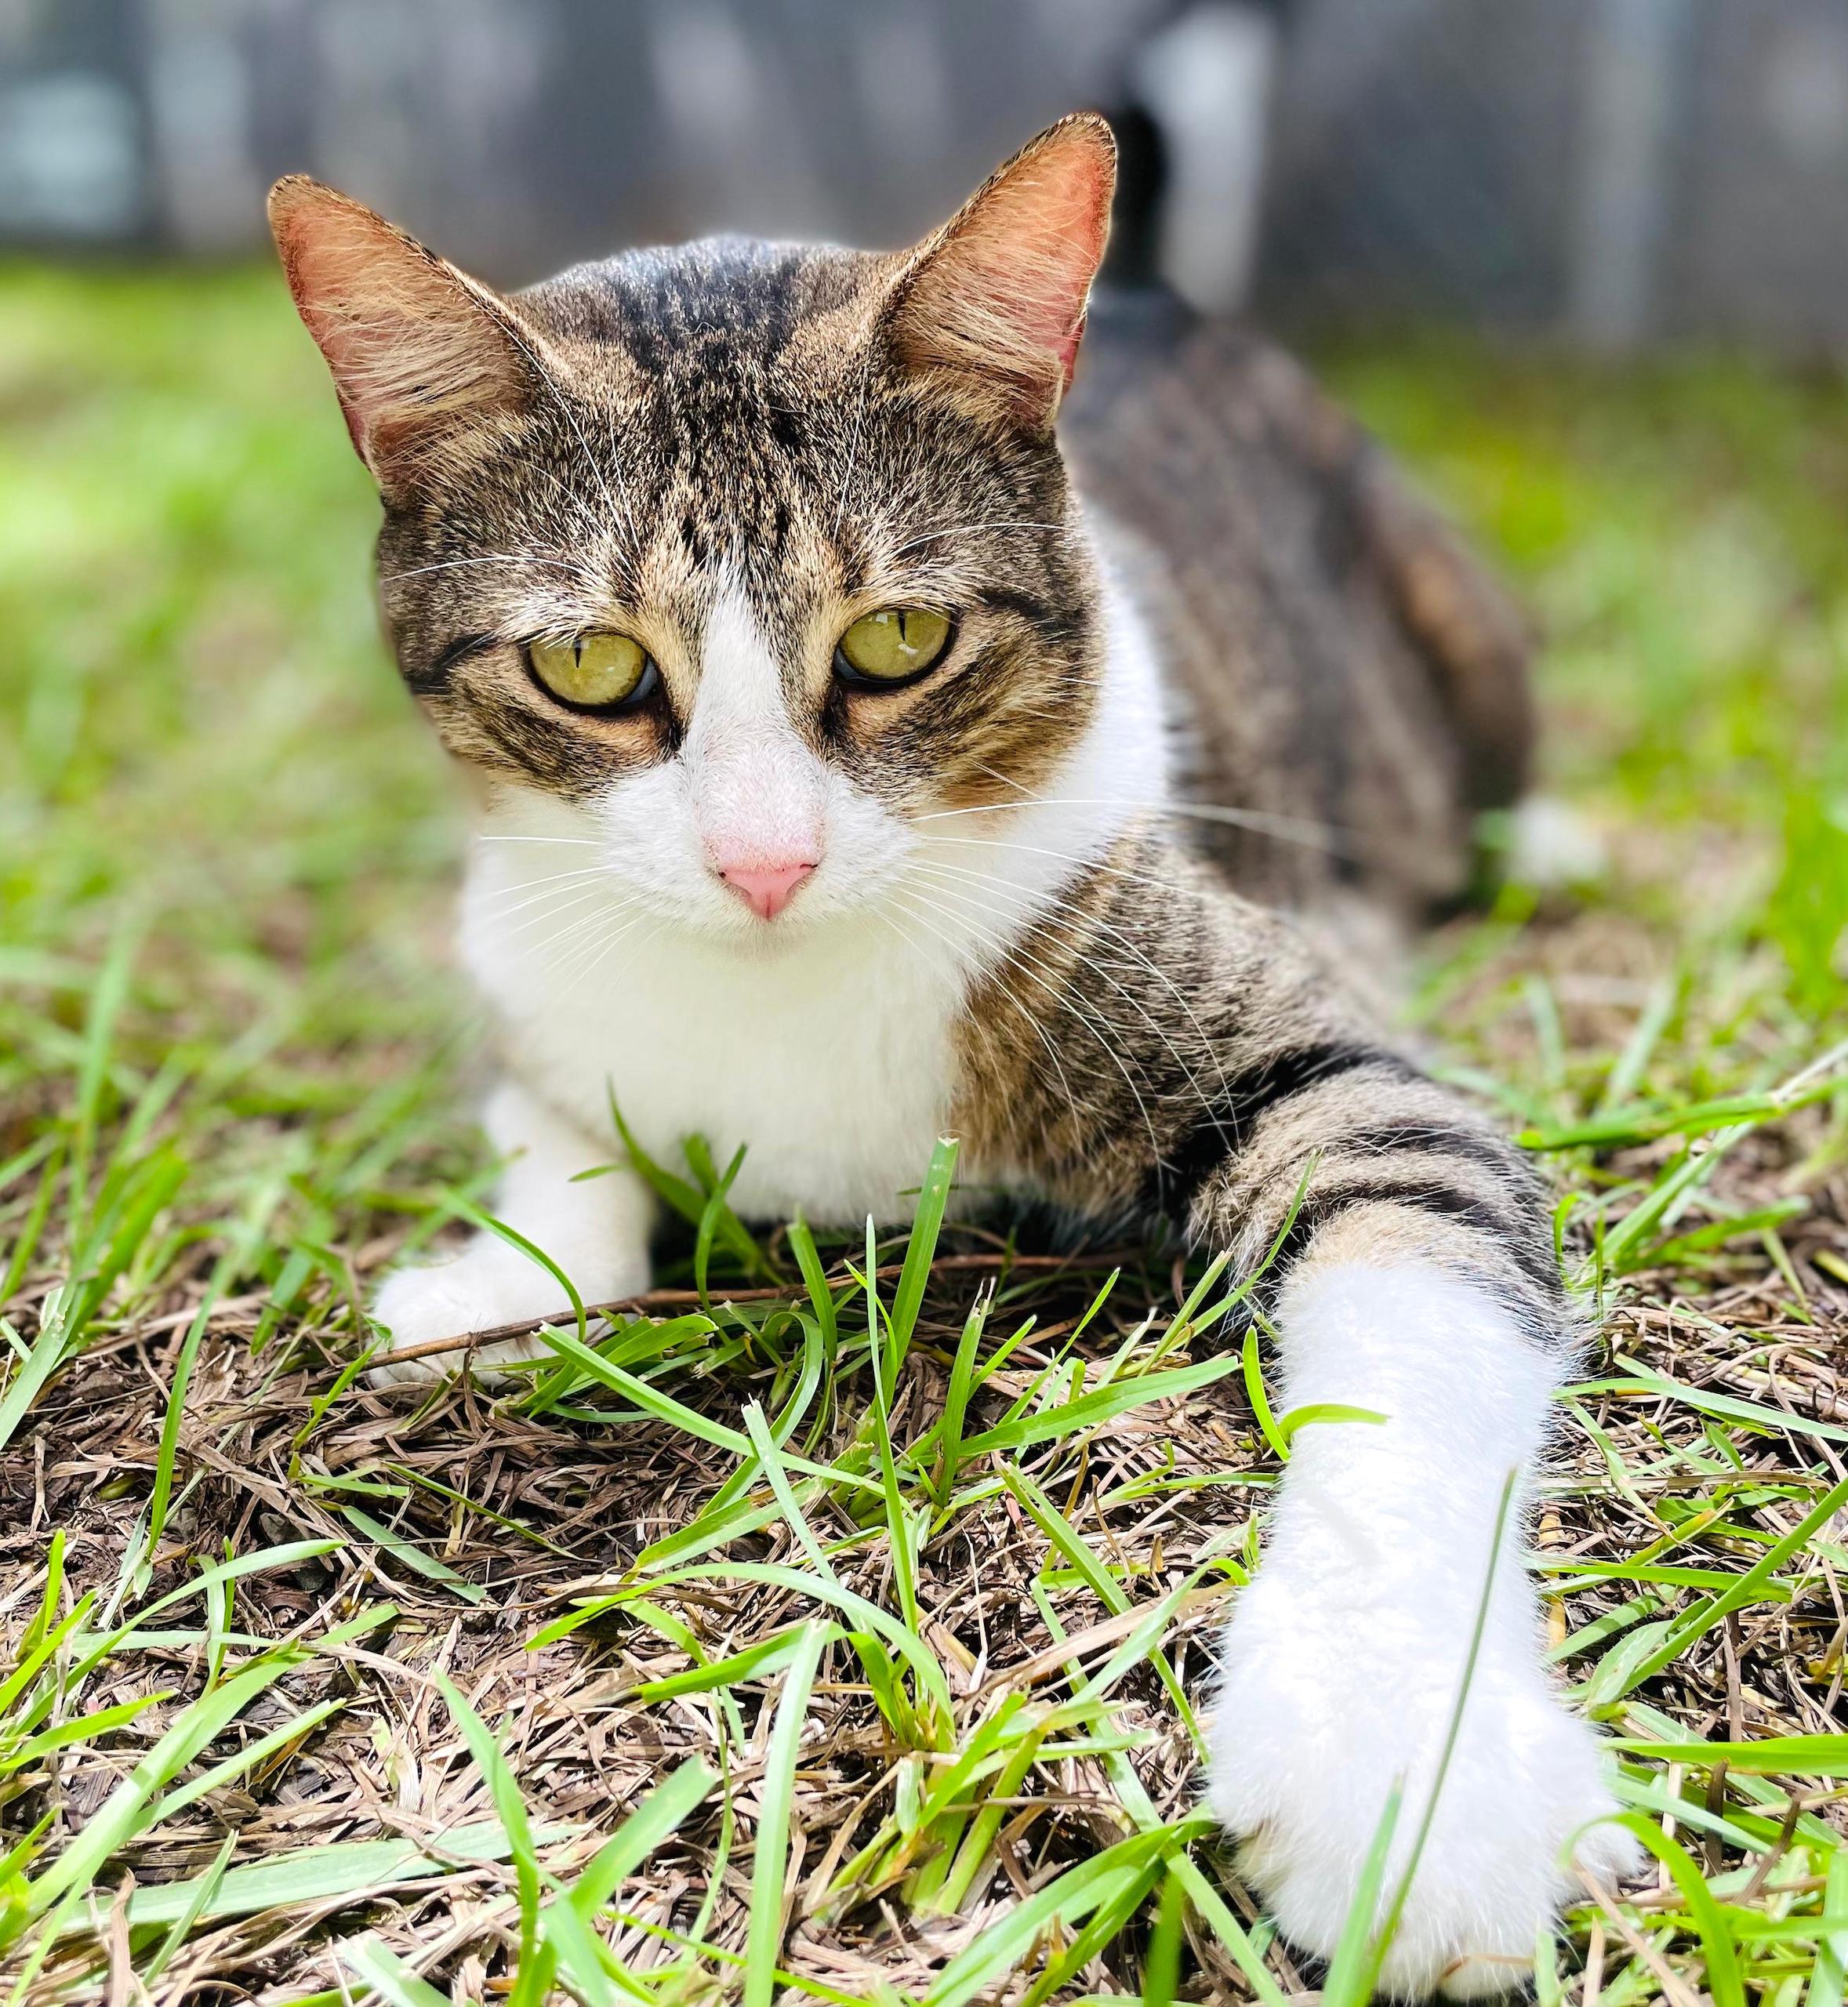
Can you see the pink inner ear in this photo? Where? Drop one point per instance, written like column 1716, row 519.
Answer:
column 1002, row 293
column 412, row 349
column 1037, row 259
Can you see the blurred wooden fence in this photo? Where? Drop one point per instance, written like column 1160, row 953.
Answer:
column 1616, row 170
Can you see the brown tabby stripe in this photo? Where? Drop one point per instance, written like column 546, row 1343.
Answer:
column 1233, row 1086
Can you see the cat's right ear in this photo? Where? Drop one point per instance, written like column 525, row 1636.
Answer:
column 423, row 358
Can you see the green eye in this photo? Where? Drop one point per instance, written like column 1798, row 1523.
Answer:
column 593, row 671
column 891, row 646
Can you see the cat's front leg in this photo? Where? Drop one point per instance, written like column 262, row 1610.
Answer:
column 596, row 1230
column 1346, row 1658
column 1403, row 1252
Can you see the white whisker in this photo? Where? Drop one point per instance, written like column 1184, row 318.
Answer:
column 550, row 901
column 571, row 418
column 565, row 928
column 1096, row 967
column 570, row 908
column 1031, row 965
column 520, row 885
column 1094, row 922
column 971, row 529
column 1080, row 861
column 1287, row 828
column 853, row 447
column 1007, row 990
column 610, row 939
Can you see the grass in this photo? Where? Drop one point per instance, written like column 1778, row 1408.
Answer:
column 832, row 1631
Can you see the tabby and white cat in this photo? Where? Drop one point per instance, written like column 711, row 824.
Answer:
column 827, row 749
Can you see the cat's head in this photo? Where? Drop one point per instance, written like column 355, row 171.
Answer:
column 740, row 561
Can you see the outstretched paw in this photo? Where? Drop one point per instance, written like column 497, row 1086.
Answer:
column 1315, row 1722
column 485, row 1287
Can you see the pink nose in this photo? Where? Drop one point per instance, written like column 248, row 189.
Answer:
column 765, row 888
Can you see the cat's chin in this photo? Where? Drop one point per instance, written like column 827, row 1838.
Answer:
column 768, row 941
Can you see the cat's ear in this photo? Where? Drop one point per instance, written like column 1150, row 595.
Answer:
column 422, row 356
column 997, row 296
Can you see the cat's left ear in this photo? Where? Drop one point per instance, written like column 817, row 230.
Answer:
column 996, row 298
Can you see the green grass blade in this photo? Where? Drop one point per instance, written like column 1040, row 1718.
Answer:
column 815, row 1280
column 1776, row 1755
column 771, row 1459
column 927, row 1223
column 1255, row 1393
column 318, row 1874
column 247, row 1757
column 204, row 1891
column 384, row 1973
column 1321, row 1414
column 1070, row 1897
column 660, row 1814
column 764, row 1938
column 1354, row 1967
column 1723, row 1980
column 412, row 1556
column 663, row 1407
column 503, row 1788
column 1161, row 1967
column 1831, row 1976
column 1395, row 1909
column 1682, row 1632
column 466, row 1209
column 124, row 1813
column 1093, row 1410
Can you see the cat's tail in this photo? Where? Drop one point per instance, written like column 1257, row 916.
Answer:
column 1465, row 625
column 1479, row 645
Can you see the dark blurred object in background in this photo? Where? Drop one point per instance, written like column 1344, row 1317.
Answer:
column 1616, row 170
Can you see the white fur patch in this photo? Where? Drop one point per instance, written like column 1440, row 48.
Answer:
column 597, row 1231
column 824, row 1040
column 1552, row 845
column 1344, row 1660
column 757, row 791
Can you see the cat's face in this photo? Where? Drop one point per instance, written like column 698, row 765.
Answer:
column 745, row 565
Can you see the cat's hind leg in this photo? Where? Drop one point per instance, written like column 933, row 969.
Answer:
column 596, row 1231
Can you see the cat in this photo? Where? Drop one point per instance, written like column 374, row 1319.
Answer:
column 831, row 687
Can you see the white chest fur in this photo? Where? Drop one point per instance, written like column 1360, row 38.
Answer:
column 831, row 1060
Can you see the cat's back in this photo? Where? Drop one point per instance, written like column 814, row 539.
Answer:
column 1350, row 683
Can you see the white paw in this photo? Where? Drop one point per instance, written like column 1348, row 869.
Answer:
column 488, row 1285
column 1319, row 1710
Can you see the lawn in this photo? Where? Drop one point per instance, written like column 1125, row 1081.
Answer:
column 833, row 1627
